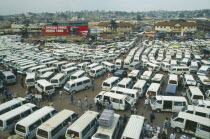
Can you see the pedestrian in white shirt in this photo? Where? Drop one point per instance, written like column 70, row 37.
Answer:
column 173, row 136
column 61, row 93
column 146, row 103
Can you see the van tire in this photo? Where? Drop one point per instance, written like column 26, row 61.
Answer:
column 158, row 110
column 178, row 130
column 86, row 88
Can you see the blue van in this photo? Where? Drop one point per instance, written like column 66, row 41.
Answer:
column 171, row 90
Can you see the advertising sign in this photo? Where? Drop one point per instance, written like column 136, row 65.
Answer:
column 65, row 30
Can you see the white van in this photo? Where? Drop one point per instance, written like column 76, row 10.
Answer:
column 119, row 63
column 197, row 58
column 97, row 71
column 59, row 64
column 147, row 75
column 76, row 85
column 119, row 101
column 188, row 80
column 78, row 74
column 194, row 66
column 12, row 104
column 97, row 59
column 174, row 63
column 59, row 80
column 202, row 103
column 47, row 76
column 68, row 65
column 158, row 78
column 168, row 103
column 42, row 71
column 34, row 69
column 194, row 93
column 110, row 132
column 23, row 70
column 84, row 127
column 56, row 126
column 109, row 83
column 141, row 86
column 134, row 128
column 153, row 90
column 179, row 70
column 8, row 119
column 200, row 111
column 108, row 66
column 69, row 71
column 83, row 65
column 89, row 67
column 185, row 62
column 127, row 62
column 134, row 75
column 173, row 79
column 204, row 70
column 30, row 79
column 133, row 93
column 125, row 83
column 27, row 127
column 191, row 124
column 153, row 67
column 166, row 66
column 45, row 86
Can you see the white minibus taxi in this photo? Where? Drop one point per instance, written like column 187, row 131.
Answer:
column 202, row 103
column 168, row 103
column 59, row 80
column 45, row 86
column 134, row 75
column 204, row 70
column 179, row 70
column 56, row 126
column 173, row 63
column 189, row 80
column 42, row 71
column 23, row 70
column 110, row 132
column 108, row 66
column 27, row 127
column 134, row 128
column 193, row 93
column 158, row 78
column 119, row 63
column 166, row 66
column 34, row 69
column 76, row 85
column 47, row 76
column 97, row 71
column 125, row 83
column 194, row 66
column 173, row 79
column 84, row 127
column 153, row 90
column 89, row 67
column 192, row 124
column 59, row 64
column 147, row 75
column 30, row 79
column 109, row 83
column 141, row 86
column 12, row 104
column 78, row 74
column 8, row 120
column 69, row 71
column 200, row 111
column 68, row 65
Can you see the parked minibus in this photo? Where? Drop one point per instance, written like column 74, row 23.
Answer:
column 68, row 65
column 8, row 120
column 42, row 71
column 127, row 62
column 12, row 104
column 153, row 67
column 191, row 124
column 119, row 63
column 27, row 126
column 56, row 126
column 125, row 83
column 204, row 70
column 193, row 93
column 8, row 77
column 133, row 93
column 91, row 66
column 43, row 61
column 200, row 111
column 30, row 79
column 69, row 71
column 76, row 85
column 108, row 66
column 45, row 86
column 110, row 132
column 153, row 90
column 179, row 70
column 23, row 70
column 134, row 128
column 84, row 127
column 78, row 74
column 97, row 71
column 158, row 78
column 168, row 103
column 59, row 80
column 34, row 69
column 82, row 66
column 173, row 63
column 202, row 103
column 166, row 66
column 185, row 62
column 173, row 79
column 109, row 83
column 147, row 75
column 197, row 58
column 134, row 75
column 141, row 86
column 188, row 80
column 59, row 64
column 47, row 76
column 194, row 66
column 119, row 101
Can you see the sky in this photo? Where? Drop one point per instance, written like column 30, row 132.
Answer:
column 38, row 6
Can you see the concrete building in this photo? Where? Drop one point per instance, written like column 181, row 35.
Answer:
column 177, row 28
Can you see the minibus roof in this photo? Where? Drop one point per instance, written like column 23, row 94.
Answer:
column 111, row 79
column 44, row 82
column 198, row 109
column 140, row 83
column 58, row 76
column 195, row 90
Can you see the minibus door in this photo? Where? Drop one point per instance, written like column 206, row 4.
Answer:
column 167, row 105
column 190, row 127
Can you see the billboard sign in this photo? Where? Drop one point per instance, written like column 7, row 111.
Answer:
column 65, row 30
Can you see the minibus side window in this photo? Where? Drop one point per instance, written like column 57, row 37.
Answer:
column 115, row 100
column 205, row 128
column 177, row 103
column 34, row 125
column 85, row 131
column 46, row 117
column 11, row 121
column 179, row 120
column 200, row 114
column 26, row 113
column 57, row 129
column 159, row 102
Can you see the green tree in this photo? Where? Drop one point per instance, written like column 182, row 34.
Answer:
column 113, row 25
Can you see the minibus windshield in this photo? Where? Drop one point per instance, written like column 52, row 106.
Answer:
column 30, row 80
column 172, row 82
column 10, row 77
column 174, row 116
column 106, row 84
column 20, row 128
column 153, row 100
column 72, row 134
column 42, row 133
column 197, row 97
column 49, row 87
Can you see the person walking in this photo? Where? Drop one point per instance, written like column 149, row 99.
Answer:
column 146, row 103
column 61, row 94
column 110, row 106
column 86, row 101
column 173, row 135
column 80, row 104
column 97, row 105
column 152, row 116
column 165, row 127
column 72, row 99
column 21, row 82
